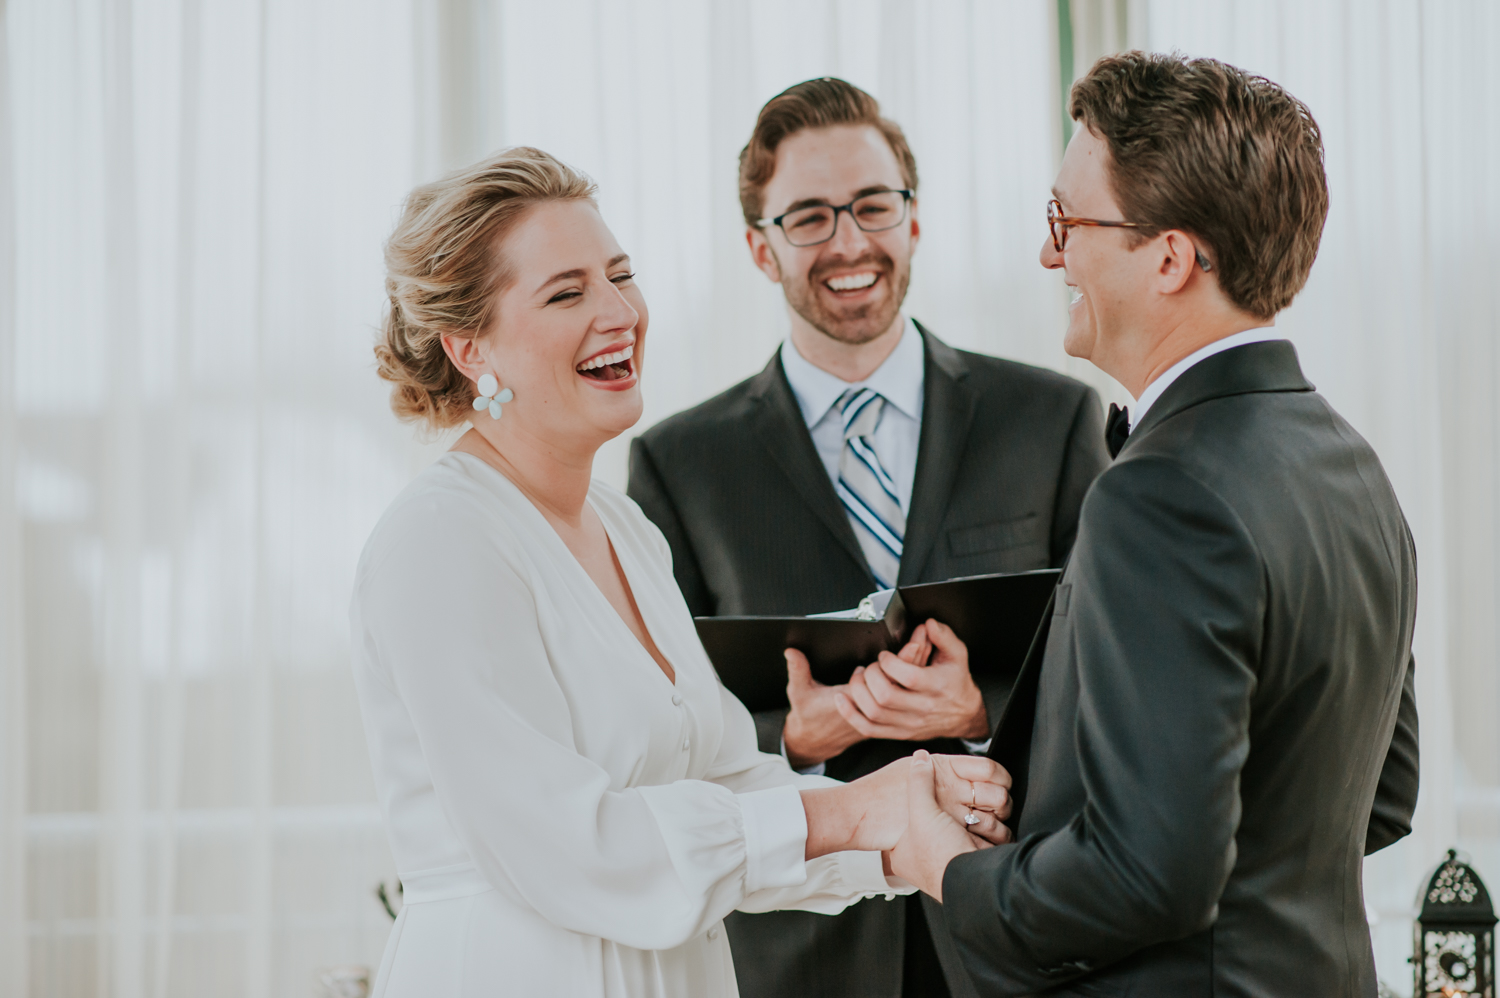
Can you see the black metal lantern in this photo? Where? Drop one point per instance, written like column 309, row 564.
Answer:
column 1454, row 945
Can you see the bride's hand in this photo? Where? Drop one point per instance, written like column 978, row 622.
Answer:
column 972, row 785
column 871, row 813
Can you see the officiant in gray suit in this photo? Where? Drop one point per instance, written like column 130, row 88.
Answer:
column 867, row 454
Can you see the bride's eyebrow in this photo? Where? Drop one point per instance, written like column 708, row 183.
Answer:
column 567, row 275
column 578, row 272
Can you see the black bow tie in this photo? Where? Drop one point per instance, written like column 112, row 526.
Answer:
column 1116, row 429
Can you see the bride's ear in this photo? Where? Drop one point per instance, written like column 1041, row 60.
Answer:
column 466, row 355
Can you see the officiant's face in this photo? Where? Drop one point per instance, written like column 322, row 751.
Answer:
column 570, row 327
column 851, row 286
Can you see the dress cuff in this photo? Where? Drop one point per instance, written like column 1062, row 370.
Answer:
column 817, row 768
column 775, row 838
column 977, row 748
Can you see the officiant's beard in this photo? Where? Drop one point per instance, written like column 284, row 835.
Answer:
column 858, row 324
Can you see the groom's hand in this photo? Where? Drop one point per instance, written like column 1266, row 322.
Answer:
column 932, row 837
column 898, row 697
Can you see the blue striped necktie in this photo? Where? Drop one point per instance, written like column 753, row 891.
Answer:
column 866, row 489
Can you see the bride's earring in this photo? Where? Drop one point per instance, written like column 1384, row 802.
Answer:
column 491, row 397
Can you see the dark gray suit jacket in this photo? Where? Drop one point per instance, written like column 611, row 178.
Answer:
column 1220, row 725
column 1006, row 454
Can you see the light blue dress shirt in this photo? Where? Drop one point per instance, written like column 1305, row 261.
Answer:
column 898, row 436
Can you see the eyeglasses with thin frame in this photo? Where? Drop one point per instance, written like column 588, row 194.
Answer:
column 873, row 212
column 1059, row 224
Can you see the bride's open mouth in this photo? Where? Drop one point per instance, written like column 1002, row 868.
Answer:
column 614, row 366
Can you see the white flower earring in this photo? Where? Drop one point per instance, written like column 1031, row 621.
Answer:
column 491, row 397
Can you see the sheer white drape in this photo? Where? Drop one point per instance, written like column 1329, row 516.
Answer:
column 193, row 445
column 199, row 446
column 199, row 443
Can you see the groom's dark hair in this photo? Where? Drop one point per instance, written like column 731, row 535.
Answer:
column 1228, row 157
column 819, row 103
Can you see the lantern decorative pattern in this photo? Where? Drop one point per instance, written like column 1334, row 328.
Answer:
column 1454, row 948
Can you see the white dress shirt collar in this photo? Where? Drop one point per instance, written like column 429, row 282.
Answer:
column 898, row 379
column 1154, row 390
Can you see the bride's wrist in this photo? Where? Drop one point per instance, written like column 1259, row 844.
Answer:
column 832, row 823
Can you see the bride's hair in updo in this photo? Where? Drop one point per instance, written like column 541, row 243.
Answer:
column 444, row 270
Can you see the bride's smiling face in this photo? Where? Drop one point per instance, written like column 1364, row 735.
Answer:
column 569, row 328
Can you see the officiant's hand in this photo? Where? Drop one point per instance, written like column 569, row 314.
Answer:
column 933, row 835
column 897, row 697
column 815, row 729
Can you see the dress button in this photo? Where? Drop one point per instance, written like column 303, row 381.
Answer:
column 684, row 744
column 676, row 699
column 713, row 933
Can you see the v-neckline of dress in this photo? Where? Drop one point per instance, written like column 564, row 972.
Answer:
column 619, row 555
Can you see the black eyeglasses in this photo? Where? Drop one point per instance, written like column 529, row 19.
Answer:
column 1060, row 223
column 874, row 212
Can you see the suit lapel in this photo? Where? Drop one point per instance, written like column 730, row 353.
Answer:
column 782, row 432
column 947, row 412
column 1269, row 366
column 1011, row 744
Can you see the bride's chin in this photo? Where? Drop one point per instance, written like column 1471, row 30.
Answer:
column 622, row 413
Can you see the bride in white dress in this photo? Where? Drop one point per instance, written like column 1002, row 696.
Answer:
column 573, row 800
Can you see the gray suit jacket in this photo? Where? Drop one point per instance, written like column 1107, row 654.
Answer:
column 1219, row 723
column 1006, row 454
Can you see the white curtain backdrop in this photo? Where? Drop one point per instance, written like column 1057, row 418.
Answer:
column 198, row 449
column 193, row 444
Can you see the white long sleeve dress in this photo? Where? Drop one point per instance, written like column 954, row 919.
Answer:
column 565, row 820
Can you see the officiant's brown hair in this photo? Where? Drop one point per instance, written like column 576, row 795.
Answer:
column 1228, row 157
column 445, row 267
column 820, row 103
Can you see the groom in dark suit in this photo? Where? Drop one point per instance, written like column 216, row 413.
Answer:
column 1219, row 725
column 868, row 453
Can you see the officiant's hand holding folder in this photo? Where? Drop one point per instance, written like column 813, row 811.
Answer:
column 995, row 615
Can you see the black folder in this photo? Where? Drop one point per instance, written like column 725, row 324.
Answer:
column 995, row 615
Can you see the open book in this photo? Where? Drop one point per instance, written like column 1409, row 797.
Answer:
column 995, row 615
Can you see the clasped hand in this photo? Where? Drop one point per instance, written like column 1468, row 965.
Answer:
column 872, row 812
column 902, row 696
column 933, row 835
